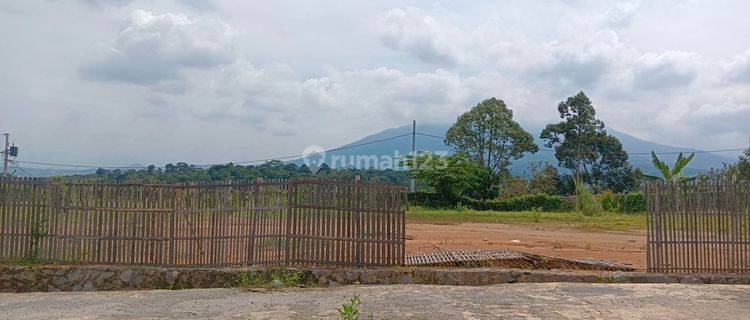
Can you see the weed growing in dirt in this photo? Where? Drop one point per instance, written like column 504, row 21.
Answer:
column 606, row 280
column 536, row 214
column 587, row 203
column 556, row 245
column 247, row 279
column 350, row 309
column 38, row 226
column 175, row 285
column 275, row 278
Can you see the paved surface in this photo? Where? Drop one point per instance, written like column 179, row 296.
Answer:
column 514, row 301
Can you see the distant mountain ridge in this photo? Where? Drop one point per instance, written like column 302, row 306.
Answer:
column 402, row 146
column 701, row 163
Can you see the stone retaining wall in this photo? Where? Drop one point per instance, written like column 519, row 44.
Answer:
column 93, row 278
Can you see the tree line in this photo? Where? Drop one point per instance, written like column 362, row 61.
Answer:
column 486, row 140
column 275, row 169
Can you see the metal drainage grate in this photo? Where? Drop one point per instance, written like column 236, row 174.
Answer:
column 504, row 258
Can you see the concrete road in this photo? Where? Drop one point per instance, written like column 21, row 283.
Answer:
column 510, row 301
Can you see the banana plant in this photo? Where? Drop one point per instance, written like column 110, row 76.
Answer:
column 674, row 175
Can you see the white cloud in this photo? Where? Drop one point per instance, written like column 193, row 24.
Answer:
column 665, row 71
column 419, row 34
column 260, row 81
column 622, row 13
column 738, row 69
column 279, row 99
column 155, row 48
column 726, row 117
column 569, row 68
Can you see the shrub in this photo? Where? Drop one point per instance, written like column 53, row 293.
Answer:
column 609, row 201
column 632, row 202
column 587, row 203
column 570, row 203
column 512, row 187
column 541, row 201
column 430, row 200
column 275, row 278
column 350, row 310
column 537, row 214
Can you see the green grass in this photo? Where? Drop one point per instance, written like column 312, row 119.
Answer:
column 605, row 221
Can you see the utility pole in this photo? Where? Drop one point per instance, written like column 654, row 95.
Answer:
column 5, row 156
column 412, row 187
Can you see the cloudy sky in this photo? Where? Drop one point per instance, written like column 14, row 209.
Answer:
column 122, row 82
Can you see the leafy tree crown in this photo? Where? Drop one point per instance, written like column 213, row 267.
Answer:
column 489, row 136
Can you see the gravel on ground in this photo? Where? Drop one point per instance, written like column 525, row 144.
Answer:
column 510, row 301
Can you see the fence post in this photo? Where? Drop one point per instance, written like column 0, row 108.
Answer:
column 649, row 226
column 734, row 248
column 404, row 205
column 290, row 211
column 254, row 221
column 172, row 222
column 55, row 197
column 360, row 234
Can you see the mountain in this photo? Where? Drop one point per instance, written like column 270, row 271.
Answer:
column 39, row 172
column 352, row 155
column 380, row 149
column 54, row 172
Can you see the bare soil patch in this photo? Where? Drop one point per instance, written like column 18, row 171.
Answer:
column 626, row 247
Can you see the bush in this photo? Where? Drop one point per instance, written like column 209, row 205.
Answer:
column 632, row 202
column 587, row 202
column 521, row 203
column 570, row 203
column 626, row 203
column 609, row 201
column 430, row 200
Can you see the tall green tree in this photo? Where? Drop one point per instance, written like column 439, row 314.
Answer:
column 489, row 136
column 452, row 177
column 583, row 146
column 730, row 171
column 544, row 179
column 727, row 172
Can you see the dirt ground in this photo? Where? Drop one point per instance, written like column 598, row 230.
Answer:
column 509, row 301
column 623, row 247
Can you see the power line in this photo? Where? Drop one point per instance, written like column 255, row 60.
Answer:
column 430, row 135
column 649, row 152
column 24, row 170
column 697, row 151
column 440, row 137
column 329, row 150
column 206, row 165
column 76, row 165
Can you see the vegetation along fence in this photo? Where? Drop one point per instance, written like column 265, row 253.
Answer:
column 279, row 222
column 698, row 227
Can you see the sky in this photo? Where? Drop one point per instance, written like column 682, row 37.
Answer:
column 120, row 82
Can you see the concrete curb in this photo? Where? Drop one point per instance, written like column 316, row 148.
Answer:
column 106, row 278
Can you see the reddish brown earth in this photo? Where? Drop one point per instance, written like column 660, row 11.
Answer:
column 622, row 247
